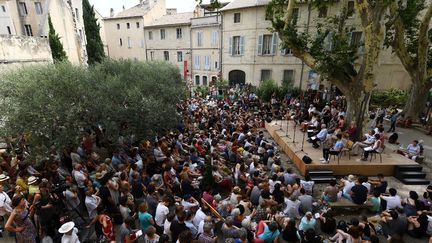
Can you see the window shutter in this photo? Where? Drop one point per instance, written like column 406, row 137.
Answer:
column 274, row 43
column 242, row 45
column 231, row 48
column 328, row 42
column 361, row 48
column 260, row 44
column 349, row 38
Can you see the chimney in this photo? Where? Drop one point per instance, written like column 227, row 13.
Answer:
column 141, row 2
column 111, row 12
column 171, row 11
column 124, row 8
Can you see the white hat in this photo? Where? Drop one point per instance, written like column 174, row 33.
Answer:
column 32, row 180
column 66, row 227
column 3, row 177
column 351, row 177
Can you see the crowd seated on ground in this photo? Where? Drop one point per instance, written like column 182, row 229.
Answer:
column 218, row 178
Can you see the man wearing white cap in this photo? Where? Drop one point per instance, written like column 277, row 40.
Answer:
column 5, row 202
column 70, row 233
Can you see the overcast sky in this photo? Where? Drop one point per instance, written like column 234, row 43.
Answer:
column 103, row 6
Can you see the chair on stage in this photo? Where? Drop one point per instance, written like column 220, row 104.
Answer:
column 347, row 149
column 374, row 154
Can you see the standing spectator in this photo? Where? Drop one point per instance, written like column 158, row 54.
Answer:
column 19, row 222
column 393, row 119
column 70, row 233
column 145, row 219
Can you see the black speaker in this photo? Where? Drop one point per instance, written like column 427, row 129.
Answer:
column 306, row 159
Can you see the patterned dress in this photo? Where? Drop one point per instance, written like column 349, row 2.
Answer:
column 28, row 235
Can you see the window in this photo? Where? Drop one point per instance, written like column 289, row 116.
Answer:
column 150, row 35
column 355, row 38
column 197, row 63
column 286, row 52
column 77, row 14
column 152, row 55
column 23, row 9
column 204, row 78
column 166, row 55
column 3, row 8
column 267, row 44
column 199, row 38
column 322, row 12
column 296, row 14
column 38, row 7
column 137, row 25
column 142, row 44
column 350, row 8
column 207, row 65
column 129, row 43
column 162, row 34
column 265, row 74
column 179, row 33
column 179, row 56
column 9, row 30
column 128, row 25
column 118, row 26
column 237, row 17
column 288, row 77
column 80, row 34
column 28, row 30
column 236, row 45
column 216, row 65
column 197, row 80
column 215, row 38
column 121, row 42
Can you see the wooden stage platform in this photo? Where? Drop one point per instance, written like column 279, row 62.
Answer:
column 277, row 130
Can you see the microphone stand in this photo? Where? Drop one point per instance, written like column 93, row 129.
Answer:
column 302, row 146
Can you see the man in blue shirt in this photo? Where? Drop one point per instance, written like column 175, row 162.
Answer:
column 321, row 136
column 333, row 151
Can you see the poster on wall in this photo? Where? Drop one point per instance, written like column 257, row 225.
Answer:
column 313, row 80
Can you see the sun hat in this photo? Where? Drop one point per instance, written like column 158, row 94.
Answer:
column 32, row 180
column 351, row 178
column 66, row 227
column 3, row 177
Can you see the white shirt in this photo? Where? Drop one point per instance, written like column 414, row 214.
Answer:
column 72, row 238
column 167, row 230
column 347, row 187
column 199, row 216
column 91, row 203
column 79, row 177
column 161, row 213
column 5, row 204
column 393, row 202
column 367, row 185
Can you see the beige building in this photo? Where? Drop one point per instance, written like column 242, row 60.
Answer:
column 206, row 49
column 251, row 53
column 124, row 32
column 30, row 18
column 168, row 38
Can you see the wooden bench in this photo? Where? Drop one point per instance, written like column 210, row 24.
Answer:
column 345, row 204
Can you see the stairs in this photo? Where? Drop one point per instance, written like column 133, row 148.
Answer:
column 411, row 175
column 321, row 176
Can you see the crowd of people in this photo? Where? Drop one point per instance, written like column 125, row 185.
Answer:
column 217, row 178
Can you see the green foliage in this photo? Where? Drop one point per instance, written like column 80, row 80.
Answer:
column 387, row 98
column 330, row 46
column 202, row 90
column 95, row 48
column 266, row 89
column 57, row 51
column 126, row 98
column 222, row 83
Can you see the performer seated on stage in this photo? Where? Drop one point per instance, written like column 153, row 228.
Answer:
column 321, row 136
column 369, row 139
column 313, row 123
column 332, row 151
column 376, row 148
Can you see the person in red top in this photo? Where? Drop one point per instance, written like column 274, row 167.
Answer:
column 107, row 225
column 352, row 131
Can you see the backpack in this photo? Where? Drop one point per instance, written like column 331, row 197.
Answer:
column 342, row 225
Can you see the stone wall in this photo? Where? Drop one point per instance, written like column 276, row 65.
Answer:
column 16, row 51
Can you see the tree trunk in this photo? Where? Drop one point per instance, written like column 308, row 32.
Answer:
column 357, row 110
column 417, row 99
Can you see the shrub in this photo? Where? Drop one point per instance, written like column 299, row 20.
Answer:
column 387, row 98
column 266, row 89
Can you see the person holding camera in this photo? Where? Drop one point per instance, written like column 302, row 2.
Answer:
column 43, row 208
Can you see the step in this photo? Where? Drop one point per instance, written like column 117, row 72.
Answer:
column 400, row 168
column 415, row 181
column 323, row 179
column 411, row 174
column 320, row 173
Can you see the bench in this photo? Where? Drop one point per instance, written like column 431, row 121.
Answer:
column 345, row 204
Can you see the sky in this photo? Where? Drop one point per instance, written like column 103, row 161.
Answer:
column 103, row 6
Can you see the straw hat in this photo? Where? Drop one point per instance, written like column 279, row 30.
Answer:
column 3, row 177
column 32, row 180
column 66, row 227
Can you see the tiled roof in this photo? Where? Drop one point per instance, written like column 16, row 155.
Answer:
column 236, row 4
column 137, row 10
column 173, row 19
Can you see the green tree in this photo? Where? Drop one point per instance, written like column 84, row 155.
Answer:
column 408, row 33
column 329, row 50
column 57, row 51
column 128, row 99
column 95, row 48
